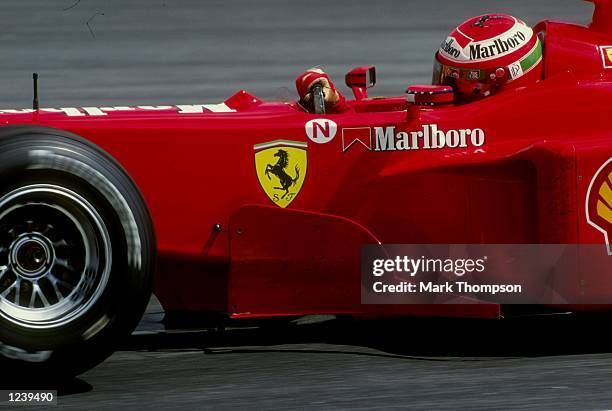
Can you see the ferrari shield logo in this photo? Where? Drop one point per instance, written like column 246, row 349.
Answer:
column 281, row 169
column 606, row 56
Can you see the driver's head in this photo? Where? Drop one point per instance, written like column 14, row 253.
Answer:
column 486, row 54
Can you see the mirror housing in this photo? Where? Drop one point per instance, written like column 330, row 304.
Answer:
column 360, row 79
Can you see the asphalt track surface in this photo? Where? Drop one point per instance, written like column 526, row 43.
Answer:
column 111, row 52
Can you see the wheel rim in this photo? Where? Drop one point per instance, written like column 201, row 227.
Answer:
column 55, row 256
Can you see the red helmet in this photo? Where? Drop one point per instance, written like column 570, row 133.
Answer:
column 486, row 53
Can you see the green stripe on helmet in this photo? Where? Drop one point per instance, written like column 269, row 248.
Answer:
column 532, row 58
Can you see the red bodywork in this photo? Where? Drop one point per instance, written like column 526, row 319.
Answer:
column 225, row 247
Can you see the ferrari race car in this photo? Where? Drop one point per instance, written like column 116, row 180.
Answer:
column 249, row 209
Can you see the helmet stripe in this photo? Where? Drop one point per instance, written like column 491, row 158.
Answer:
column 532, row 58
column 526, row 64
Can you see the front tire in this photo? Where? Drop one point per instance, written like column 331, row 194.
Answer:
column 76, row 253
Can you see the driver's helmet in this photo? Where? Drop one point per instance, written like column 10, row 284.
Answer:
column 487, row 53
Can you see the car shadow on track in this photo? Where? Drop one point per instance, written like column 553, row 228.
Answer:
column 426, row 339
column 409, row 339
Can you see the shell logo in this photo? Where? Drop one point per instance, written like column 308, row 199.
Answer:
column 599, row 202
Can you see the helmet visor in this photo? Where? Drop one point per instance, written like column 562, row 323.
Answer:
column 470, row 83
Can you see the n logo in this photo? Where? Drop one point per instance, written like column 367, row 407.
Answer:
column 321, row 130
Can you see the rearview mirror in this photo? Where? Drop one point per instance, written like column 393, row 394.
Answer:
column 360, row 79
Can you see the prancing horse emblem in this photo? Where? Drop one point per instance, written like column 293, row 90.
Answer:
column 281, row 169
column 278, row 170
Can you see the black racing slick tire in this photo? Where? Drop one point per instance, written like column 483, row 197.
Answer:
column 77, row 253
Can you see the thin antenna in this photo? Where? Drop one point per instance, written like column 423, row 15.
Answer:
column 35, row 104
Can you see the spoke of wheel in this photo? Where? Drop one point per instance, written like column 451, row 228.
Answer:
column 55, row 281
column 8, row 290
column 29, row 225
column 60, row 243
column 48, row 228
column 41, row 294
column 58, row 293
column 3, row 270
column 17, row 286
column 33, row 296
column 64, row 263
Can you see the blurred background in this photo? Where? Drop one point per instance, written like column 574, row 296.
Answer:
column 105, row 52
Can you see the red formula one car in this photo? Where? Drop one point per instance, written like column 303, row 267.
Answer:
column 253, row 209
